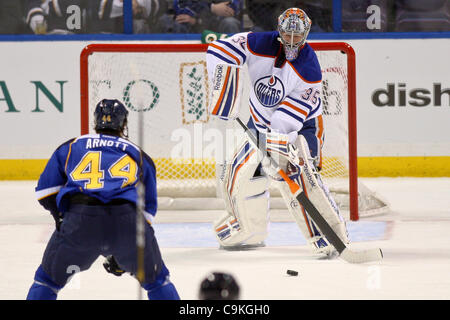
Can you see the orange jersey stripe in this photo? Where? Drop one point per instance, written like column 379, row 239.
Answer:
column 320, row 127
column 219, row 102
column 225, row 51
column 254, row 117
column 303, row 112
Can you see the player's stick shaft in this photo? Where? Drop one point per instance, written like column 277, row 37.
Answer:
column 140, row 219
column 140, row 240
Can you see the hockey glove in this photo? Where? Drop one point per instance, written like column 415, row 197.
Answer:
column 111, row 266
column 277, row 144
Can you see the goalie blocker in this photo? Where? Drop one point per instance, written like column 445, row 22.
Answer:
column 226, row 92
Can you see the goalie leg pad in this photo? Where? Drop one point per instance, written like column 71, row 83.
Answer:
column 320, row 196
column 247, row 201
column 311, row 183
column 251, row 226
column 295, row 209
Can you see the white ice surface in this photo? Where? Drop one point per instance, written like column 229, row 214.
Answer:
column 415, row 239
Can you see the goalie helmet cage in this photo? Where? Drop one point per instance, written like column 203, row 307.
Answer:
column 167, row 84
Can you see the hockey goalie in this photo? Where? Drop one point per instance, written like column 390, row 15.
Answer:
column 286, row 119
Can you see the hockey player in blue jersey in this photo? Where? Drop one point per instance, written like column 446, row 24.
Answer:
column 89, row 187
column 286, row 116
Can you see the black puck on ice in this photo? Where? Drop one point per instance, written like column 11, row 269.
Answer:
column 292, row 273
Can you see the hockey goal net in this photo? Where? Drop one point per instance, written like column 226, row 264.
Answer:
column 167, row 85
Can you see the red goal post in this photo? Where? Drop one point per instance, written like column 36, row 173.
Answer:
column 341, row 47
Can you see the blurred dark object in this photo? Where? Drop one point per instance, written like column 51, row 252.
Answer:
column 264, row 13
column 12, row 17
column 422, row 15
column 365, row 15
column 194, row 16
column 147, row 16
column 160, row 16
column 219, row 286
column 92, row 16
column 55, row 16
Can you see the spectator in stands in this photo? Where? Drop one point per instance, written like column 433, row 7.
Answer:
column 55, row 16
column 422, row 15
column 264, row 13
column 11, row 17
column 93, row 16
column 195, row 16
column 321, row 13
column 147, row 16
column 357, row 18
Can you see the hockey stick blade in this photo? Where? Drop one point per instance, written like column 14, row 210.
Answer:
column 370, row 255
column 345, row 253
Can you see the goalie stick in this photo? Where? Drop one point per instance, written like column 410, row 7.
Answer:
column 344, row 252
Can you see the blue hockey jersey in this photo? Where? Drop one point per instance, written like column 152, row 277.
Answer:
column 102, row 166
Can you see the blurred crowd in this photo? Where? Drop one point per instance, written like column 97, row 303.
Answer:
column 221, row 16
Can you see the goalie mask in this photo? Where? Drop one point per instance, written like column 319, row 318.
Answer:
column 293, row 27
column 111, row 115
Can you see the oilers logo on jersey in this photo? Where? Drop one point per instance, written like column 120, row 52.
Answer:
column 269, row 90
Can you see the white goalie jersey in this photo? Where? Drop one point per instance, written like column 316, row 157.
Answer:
column 283, row 94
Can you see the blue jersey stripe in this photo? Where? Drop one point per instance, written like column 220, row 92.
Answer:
column 228, row 100
column 259, row 115
column 301, row 102
column 242, row 154
column 261, row 126
column 244, row 57
column 291, row 114
column 315, row 110
column 220, row 57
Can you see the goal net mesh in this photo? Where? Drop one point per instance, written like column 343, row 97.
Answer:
column 170, row 90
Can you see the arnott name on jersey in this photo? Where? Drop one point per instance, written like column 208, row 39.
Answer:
column 269, row 90
column 92, row 143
